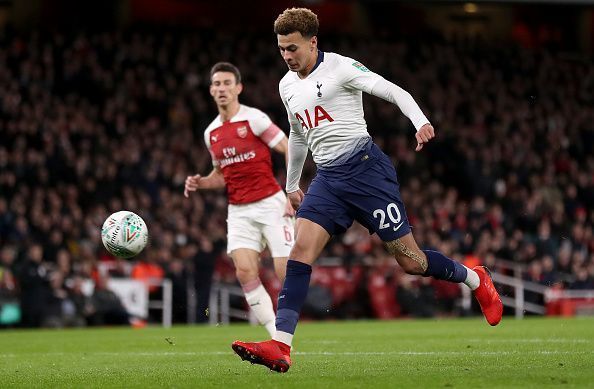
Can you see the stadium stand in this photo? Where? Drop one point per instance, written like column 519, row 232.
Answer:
column 96, row 122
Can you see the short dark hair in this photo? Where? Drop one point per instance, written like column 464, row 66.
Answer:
column 226, row 67
column 301, row 20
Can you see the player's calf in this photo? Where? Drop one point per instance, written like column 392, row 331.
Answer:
column 260, row 303
column 429, row 263
column 412, row 261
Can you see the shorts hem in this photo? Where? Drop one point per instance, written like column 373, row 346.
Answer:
column 397, row 235
column 254, row 247
column 321, row 220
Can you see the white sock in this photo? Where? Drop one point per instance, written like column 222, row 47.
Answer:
column 472, row 279
column 283, row 337
column 261, row 304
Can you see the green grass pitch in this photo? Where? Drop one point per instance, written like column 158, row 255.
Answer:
column 441, row 353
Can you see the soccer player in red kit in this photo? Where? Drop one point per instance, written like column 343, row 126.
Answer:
column 239, row 140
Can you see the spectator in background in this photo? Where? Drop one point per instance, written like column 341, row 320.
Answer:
column 105, row 307
column 416, row 300
column 7, row 279
column 81, row 298
column 583, row 280
column 34, row 285
column 176, row 273
column 549, row 273
column 204, row 264
column 147, row 270
column 9, row 306
column 534, row 274
column 60, row 310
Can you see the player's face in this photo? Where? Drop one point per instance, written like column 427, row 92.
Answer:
column 297, row 51
column 224, row 88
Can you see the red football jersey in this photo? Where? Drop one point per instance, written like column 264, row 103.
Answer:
column 240, row 147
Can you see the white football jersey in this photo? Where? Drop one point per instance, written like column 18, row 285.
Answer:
column 326, row 108
column 325, row 111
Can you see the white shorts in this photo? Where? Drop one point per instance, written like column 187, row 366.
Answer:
column 260, row 224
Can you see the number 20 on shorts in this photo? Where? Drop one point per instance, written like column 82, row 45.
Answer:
column 393, row 215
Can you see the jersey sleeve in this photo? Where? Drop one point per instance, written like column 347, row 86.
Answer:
column 215, row 162
column 265, row 129
column 396, row 95
column 355, row 75
column 297, row 150
column 293, row 122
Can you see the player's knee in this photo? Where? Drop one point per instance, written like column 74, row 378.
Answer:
column 299, row 251
column 246, row 274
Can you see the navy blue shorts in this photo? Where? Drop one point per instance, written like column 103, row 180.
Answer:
column 364, row 189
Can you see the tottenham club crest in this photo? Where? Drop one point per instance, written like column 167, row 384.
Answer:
column 319, row 86
column 242, row 131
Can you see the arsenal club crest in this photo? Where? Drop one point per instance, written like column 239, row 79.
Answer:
column 242, row 131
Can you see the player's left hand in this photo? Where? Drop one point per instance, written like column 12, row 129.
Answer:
column 192, row 184
column 289, row 210
column 296, row 198
column 424, row 135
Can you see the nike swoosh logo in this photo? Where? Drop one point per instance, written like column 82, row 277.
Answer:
column 289, row 99
column 398, row 226
column 254, row 304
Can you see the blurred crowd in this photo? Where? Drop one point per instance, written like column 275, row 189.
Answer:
column 95, row 123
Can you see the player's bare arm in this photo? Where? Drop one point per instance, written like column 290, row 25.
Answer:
column 282, row 147
column 214, row 180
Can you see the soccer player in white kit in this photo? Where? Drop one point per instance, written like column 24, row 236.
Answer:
column 355, row 180
column 239, row 140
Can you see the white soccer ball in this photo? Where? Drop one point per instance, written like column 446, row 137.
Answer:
column 124, row 234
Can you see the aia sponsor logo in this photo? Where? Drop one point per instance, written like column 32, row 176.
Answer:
column 313, row 120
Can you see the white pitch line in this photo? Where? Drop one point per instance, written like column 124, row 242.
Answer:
column 439, row 353
column 530, row 340
column 312, row 353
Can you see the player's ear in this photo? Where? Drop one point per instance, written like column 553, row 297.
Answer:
column 211, row 90
column 239, row 88
column 313, row 43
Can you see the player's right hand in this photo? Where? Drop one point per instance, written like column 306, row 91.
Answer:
column 424, row 135
column 296, row 198
column 192, row 183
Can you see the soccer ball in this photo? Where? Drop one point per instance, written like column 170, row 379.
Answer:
column 124, row 234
